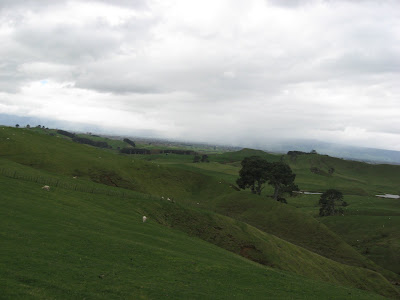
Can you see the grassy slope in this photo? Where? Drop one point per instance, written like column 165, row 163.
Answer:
column 64, row 157
column 66, row 244
column 350, row 177
column 267, row 249
column 365, row 217
column 286, row 222
column 371, row 225
column 61, row 156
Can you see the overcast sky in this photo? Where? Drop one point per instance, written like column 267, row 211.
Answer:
column 218, row 71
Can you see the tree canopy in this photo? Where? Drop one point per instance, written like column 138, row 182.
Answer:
column 253, row 174
column 327, row 202
column 280, row 176
column 257, row 171
column 130, row 142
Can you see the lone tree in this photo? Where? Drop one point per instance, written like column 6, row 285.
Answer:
column 256, row 171
column 327, row 202
column 17, row 125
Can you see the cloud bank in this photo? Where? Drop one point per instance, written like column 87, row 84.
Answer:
column 218, row 71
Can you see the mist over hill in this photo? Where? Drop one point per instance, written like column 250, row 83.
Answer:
column 370, row 155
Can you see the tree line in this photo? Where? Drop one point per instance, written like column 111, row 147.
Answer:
column 99, row 144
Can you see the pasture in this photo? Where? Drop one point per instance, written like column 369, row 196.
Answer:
column 100, row 212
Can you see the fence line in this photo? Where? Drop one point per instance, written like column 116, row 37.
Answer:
column 86, row 187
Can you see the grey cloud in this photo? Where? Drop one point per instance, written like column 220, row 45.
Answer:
column 39, row 4
column 9, row 76
column 289, row 3
column 67, row 43
column 319, row 69
column 366, row 62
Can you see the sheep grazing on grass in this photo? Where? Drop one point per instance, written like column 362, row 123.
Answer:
column 75, row 177
column 46, row 187
column 144, row 219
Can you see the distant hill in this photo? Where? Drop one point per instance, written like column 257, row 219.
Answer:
column 371, row 155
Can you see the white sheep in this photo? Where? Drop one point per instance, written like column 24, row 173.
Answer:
column 144, row 219
column 75, row 177
column 46, row 187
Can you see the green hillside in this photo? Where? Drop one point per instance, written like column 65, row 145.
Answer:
column 356, row 179
column 66, row 244
column 110, row 190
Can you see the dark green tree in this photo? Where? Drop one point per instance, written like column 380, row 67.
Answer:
column 289, row 189
column 328, row 201
column 253, row 174
column 130, row 142
column 256, row 171
column 17, row 125
column 281, row 177
column 196, row 159
column 204, row 158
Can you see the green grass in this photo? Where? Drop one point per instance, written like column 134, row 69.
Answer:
column 66, row 244
column 114, row 143
column 274, row 231
column 371, row 225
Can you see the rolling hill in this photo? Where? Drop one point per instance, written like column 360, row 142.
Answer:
column 111, row 191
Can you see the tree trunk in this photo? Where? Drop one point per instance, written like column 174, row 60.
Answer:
column 276, row 192
column 258, row 188
column 253, row 189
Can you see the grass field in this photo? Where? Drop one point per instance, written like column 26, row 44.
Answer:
column 99, row 212
column 66, row 244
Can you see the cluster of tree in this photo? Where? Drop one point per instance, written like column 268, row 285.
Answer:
column 99, row 144
column 181, row 152
column 29, row 126
column 130, row 142
column 134, row 151
column 256, row 172
column 329, row 201
column 66, row 133
column 42, row 127
column 203, row 158
column 295, row 152
column 318, row 171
